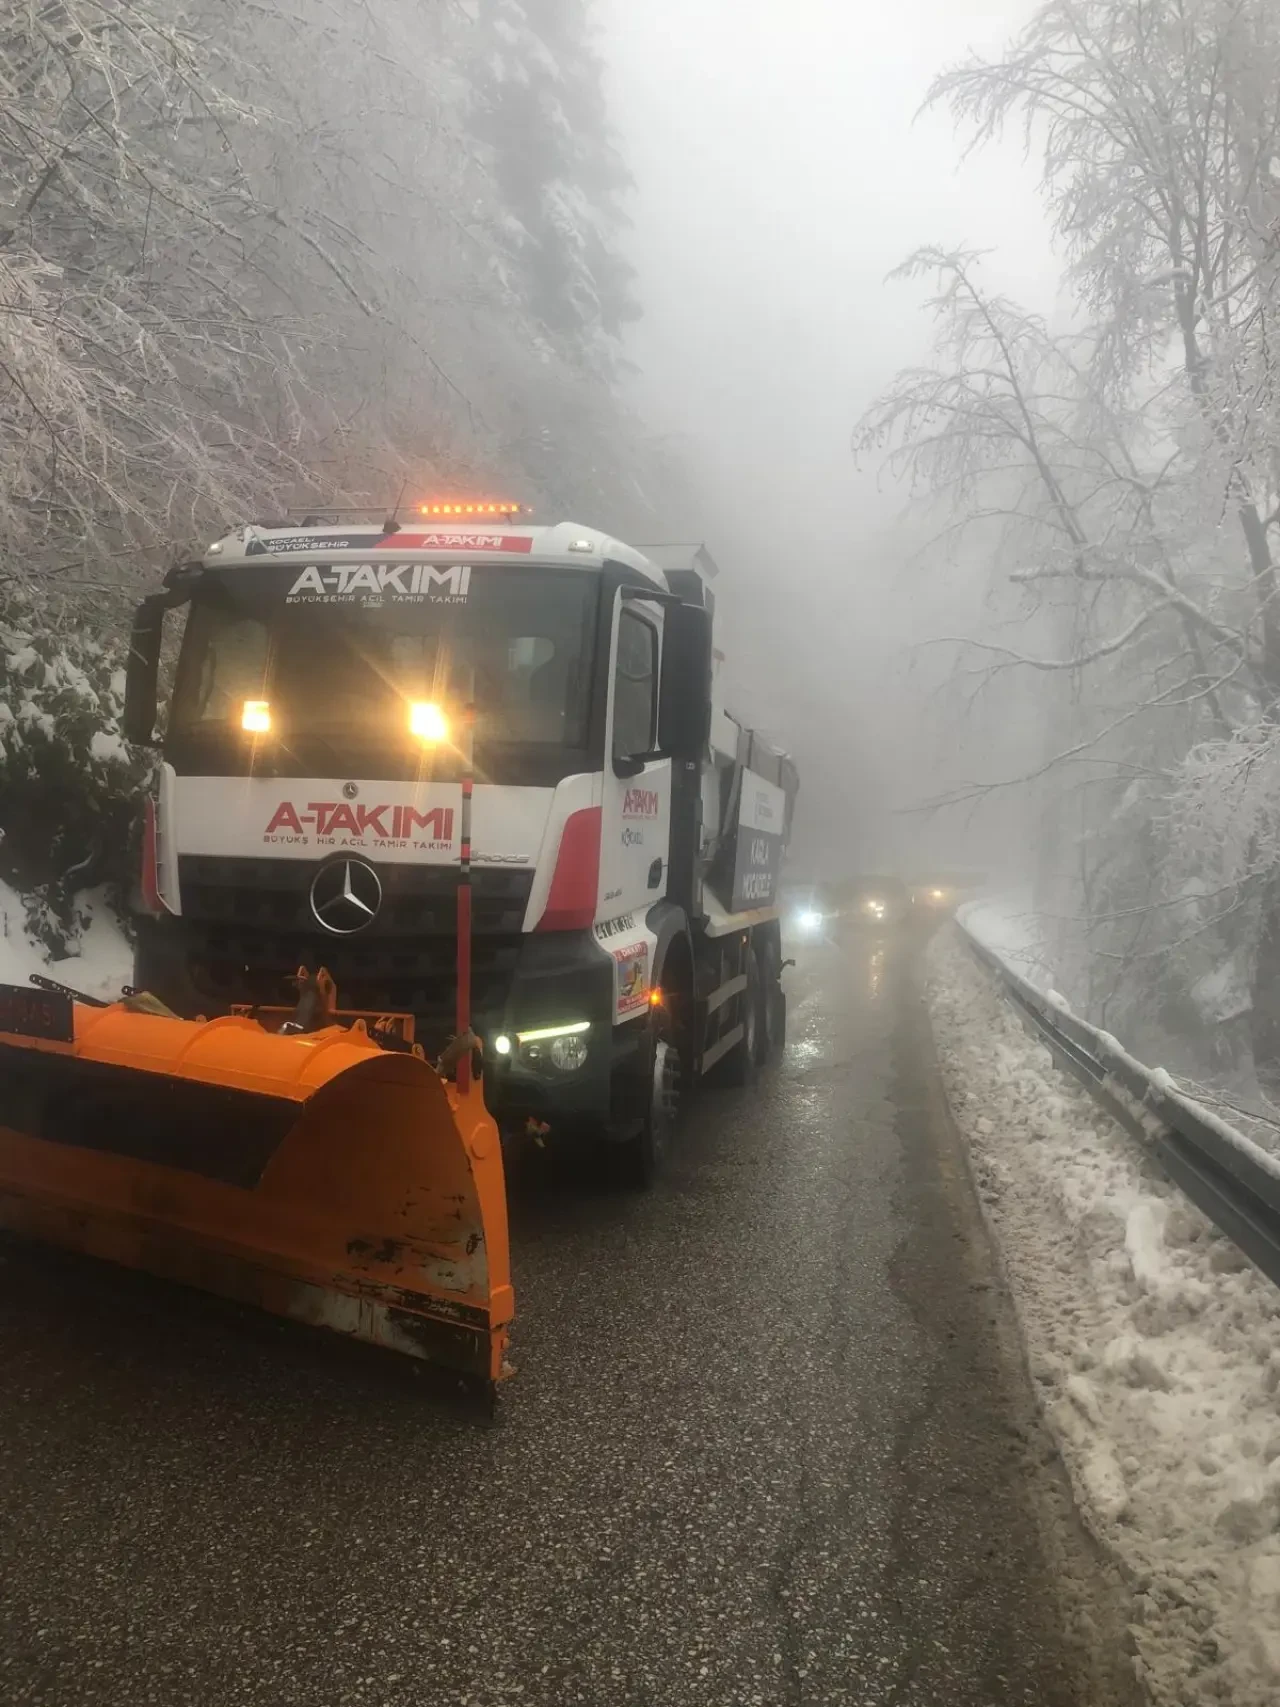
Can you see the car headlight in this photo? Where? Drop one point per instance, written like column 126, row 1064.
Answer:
column 810, row 921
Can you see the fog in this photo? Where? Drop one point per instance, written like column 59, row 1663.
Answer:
column 781, row 171
column 382, row 249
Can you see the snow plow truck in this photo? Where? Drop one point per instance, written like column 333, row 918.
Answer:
column 453, row 842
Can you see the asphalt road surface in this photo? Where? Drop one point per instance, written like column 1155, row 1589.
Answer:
column 770, row 1443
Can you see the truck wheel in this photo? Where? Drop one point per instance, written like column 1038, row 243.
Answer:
column 641, row 1158
column 771, row 1017
column 740, row 1062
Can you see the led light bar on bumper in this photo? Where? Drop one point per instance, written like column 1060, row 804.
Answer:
column 563, row 1047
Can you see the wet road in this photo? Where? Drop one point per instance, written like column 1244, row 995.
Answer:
column 768, row 1445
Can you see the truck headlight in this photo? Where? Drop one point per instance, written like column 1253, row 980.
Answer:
column 427, row 721
column 564, row 1047
column 568, row 1053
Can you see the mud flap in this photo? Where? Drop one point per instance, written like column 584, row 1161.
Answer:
column 313, row 1176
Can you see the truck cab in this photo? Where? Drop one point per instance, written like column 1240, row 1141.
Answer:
column 309, row 803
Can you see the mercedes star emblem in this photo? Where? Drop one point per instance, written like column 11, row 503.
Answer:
column 345, row 896
column 350, row 790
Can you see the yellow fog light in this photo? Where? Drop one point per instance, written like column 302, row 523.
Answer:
column 427, row 721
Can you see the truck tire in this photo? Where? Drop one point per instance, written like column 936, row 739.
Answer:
column 771, row 1016
column 641, row 1158
column 740, row 1063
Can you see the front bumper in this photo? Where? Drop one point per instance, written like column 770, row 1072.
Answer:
column 556, row 978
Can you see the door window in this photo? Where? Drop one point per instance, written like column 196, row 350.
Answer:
column 635, row 686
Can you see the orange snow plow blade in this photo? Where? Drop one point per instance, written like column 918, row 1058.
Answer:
column 316, row 1176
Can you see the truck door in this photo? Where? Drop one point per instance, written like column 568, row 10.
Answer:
column 636, row 817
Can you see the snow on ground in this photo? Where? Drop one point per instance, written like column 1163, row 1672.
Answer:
column 1009, row 925
column 100, row 962
column 1154, row 1346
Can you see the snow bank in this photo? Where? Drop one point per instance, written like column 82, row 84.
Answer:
column 101, row 959
column 1010, row 927
column 1154, row 1345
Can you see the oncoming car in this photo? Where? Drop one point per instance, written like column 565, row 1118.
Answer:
column 936, row 894
column 811, row 911
column 933, row 898
column 869, row 902
column 878, row 902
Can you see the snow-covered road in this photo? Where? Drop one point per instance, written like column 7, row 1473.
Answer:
column 1155, row 1348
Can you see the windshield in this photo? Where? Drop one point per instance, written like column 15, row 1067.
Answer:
column 357, row 673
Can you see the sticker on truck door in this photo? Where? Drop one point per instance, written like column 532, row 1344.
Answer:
column 631, row 978
column 631, row 945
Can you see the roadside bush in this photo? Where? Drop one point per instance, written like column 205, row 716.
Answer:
column 69, row 784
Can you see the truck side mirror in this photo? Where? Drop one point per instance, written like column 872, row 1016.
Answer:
column 684, row 710
column 142, row 671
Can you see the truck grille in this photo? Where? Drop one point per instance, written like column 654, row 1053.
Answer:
column 248, row 927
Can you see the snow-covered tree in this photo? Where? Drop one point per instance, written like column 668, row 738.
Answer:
column 131, row 373
column 539, row 104
column 1160, row 134
column 247, row 253
column 1127, row 478
column 256, row 255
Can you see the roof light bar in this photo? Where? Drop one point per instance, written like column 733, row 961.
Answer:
column 470, row 510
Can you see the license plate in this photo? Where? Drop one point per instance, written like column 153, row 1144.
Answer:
column 28, row 1012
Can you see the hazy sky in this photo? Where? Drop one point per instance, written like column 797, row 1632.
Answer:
column 780, row 173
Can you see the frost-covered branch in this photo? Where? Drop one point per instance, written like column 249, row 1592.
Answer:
column 1077, row 661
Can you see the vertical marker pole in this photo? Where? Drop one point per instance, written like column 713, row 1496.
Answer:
column 467, row 750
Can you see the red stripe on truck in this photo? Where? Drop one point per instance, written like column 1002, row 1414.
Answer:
column 150, row 876
column 575, row 882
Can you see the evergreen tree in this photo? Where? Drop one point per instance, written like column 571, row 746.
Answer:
column 539, row 105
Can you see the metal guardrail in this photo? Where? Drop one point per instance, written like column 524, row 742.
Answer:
column 1225, row 1174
